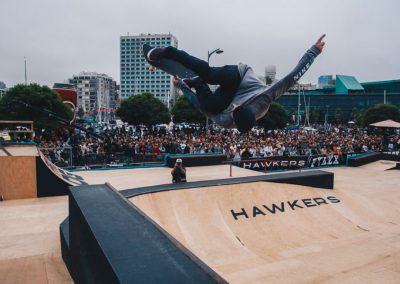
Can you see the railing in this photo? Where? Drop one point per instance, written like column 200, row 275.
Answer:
column 73, row 159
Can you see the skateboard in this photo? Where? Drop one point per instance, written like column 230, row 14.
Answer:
column 169, row 66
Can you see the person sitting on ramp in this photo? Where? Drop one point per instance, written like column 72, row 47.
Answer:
column 241, row 98
column 178, row 172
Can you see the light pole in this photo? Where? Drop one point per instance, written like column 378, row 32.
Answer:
column 26, row 80
column 217, row 51
column 298, row 107
column 326, row 116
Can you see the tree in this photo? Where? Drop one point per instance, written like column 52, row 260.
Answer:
column 40, row 97
column 292, row 113
column 315, row 114
column 143, row 109
column 184, row 111
column 380, row 112
column 81, row 113
column 268, row 80
column 276, row 117
column 355, row 112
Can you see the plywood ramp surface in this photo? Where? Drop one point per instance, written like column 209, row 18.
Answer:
column 355, row 240
column 20, row 150
column 18, row 177
column 30, row 242
column 139, row 177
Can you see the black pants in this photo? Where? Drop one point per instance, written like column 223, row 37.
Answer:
column 227, row 77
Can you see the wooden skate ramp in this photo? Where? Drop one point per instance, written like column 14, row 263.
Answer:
column 259, row 233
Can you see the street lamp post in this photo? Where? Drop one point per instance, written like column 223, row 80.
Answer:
column 326, row 116
column 217, row 51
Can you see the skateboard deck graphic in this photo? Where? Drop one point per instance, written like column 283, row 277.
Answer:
column 170, row 66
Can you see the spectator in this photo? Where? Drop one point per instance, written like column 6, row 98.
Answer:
column 156, row 142
column 178, row 172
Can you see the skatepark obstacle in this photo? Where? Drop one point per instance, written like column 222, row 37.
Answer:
column 103, row 225
column 26, row 173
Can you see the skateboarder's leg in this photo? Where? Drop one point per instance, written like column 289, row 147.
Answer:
column 226, row 76
column 212, row 103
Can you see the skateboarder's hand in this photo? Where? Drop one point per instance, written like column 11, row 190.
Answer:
column 175, row 80
column 320, row 43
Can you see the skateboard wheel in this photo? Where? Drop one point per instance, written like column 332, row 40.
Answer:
column 152, row 69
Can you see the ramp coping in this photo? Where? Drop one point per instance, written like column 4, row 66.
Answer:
column 280, row 178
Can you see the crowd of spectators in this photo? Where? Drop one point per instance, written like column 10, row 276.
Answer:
column 149, row 145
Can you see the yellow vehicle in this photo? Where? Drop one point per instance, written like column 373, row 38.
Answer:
column 15, row 130
column 5, row 136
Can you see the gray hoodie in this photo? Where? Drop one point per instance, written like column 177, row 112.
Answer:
column 252, row 93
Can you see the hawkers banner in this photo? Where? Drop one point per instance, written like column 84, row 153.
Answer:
column 295, row 162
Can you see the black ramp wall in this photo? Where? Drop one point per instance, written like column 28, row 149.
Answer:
column 112, row 242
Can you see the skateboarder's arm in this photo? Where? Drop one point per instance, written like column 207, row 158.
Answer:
column 304, row 64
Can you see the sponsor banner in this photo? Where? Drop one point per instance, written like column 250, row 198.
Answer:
column 322, row 161
column 291, row 163
column 395, row 153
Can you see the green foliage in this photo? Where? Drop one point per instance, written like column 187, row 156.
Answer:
column 41, row 97
column 380, row 112
column 143, row 109
column 184, row 111
column 81, row 113
column 315, row 114
column 357, row 115
column 268, row 80
column 275, row 118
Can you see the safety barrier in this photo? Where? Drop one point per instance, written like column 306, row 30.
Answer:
column 263, row 161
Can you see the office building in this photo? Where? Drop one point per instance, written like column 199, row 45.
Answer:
column 270, row 73
column 347, row 96
column 97, row 94
column 136, row 77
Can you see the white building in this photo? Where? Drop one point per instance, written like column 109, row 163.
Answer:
column 136, row 77
column 97, row 94
column 270, row 72
column 3, row 89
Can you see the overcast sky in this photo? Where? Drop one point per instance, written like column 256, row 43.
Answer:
column 64, row 37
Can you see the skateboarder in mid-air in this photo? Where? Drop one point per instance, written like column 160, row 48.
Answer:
column 241, row 98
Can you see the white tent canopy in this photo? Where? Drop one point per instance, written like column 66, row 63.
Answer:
column 387, row 123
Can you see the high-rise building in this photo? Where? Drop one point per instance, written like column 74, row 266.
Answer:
column 136, row 77
column 97, row 94
column 3, row 88
column 270, row 73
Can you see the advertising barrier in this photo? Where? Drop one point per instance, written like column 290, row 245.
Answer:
column 196, row 160
column 292, row 162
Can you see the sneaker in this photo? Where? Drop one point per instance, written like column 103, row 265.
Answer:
column 191, row 81
column 156, row 54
